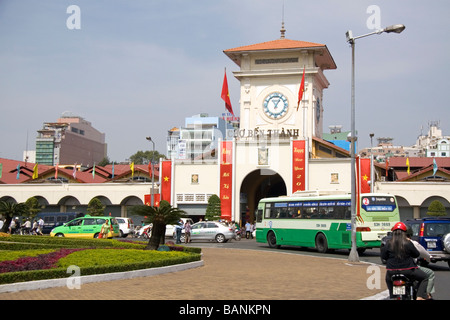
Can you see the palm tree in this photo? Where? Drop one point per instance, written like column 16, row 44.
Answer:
column 9, row 210
column 160, row 217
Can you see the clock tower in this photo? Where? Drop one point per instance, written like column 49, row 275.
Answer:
column 270, row 75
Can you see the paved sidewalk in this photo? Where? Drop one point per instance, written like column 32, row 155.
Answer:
column 230, row 274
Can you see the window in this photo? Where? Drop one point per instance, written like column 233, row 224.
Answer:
column 89, row 222
column 100, row 221
column 309, row 210
column 75, row 222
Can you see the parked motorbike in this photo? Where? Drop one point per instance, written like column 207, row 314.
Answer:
column 403, row 288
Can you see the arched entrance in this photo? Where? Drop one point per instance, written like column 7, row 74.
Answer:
column 258, row 184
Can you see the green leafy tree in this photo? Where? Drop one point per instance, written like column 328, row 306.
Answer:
column 33, row 206
column 9, row 210
column 436, row 208
column 213, row 210
column 144, row 157
column 96, row 207
column 105, row 161
column 160, row 217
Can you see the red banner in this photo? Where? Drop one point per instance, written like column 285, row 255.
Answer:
column 148, row 199
column 363, row 174
column 362, row 182
column 298, row 165
column 226, row 179
column 166, row 180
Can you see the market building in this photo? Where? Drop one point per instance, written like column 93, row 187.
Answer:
column 279, row 148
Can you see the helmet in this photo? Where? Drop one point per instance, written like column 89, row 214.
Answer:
column 399, row 226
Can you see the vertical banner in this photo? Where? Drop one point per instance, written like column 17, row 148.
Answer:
column 362, row 182
column 226, row 179
column 166, row 180
column 148, row 199
column 298, row 165
column 364, row 175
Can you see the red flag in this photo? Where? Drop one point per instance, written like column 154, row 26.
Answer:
column 148, row 199
column 166, row 180
column 364, row 175
column 302, row 89
column 226, row 94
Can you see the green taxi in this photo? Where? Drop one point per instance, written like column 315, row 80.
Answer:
column 86, row 227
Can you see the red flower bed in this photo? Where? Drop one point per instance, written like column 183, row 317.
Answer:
column 42, row 261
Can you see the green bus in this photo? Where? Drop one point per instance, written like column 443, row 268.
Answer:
column 324, row 221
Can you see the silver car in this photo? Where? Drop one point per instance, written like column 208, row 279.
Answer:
column 210, row 230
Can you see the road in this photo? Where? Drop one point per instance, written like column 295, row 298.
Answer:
column 441, row 269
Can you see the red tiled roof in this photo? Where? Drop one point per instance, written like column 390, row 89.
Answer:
column 324, row 59
column 9, row 171
column 276, row 44
column 102, row 173
column 418, row 162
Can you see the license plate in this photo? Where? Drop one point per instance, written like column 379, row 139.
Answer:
column 431, row 244
column 399, row 290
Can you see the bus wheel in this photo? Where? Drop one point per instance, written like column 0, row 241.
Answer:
column 321, row 243
column 272, row 240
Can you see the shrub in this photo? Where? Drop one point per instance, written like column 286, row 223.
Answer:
column 93, row 256
column 39, row 262
column 15, row 254
column 436, row 208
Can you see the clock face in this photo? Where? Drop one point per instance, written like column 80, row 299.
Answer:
column 275, row 105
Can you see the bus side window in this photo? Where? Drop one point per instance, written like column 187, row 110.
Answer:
column 348, row 213
column 268, row 211
column 259, row 215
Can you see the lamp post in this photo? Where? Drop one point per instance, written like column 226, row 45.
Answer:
column 396, row 28
column 152, row 201
column 372, row 173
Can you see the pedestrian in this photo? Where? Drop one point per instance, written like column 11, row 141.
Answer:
column 12, row 226
column 248, row 230
column 104, row 230
column 187, row 232
column 40, row 226
column 34, row 228
column 178, row 229
column 27, row 227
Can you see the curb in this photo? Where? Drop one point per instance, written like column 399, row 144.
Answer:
column 52, row 283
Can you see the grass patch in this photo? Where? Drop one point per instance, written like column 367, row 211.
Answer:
column 6, row 255
column 102, row 257
column 28, row 258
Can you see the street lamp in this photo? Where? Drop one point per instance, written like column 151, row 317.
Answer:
column 396, row 28
column 152, row 201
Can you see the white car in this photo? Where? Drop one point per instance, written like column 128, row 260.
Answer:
column 170, row 228
column 210, row 230
column 126, row 226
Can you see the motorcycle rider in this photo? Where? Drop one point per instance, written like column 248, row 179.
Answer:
column 399, row 254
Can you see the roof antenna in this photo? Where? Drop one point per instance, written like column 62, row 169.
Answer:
column 283, row 30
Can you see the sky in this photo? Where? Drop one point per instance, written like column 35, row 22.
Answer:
column 137, row 68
